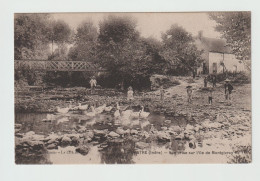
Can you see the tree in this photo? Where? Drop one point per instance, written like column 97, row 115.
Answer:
column 123, row 53
column 85, row 42
column 60, row 33
column 235, row 27
column 31, row 36
column 179, row 50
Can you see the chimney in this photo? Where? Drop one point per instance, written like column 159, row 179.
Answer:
column 200, row 34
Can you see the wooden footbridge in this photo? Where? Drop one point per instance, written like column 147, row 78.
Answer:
column 58, row 65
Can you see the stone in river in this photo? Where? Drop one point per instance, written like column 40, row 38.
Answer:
column 101, row 133
column 18, row 126
column 141, row 145
column 168, row 121
column 83, row 149
column 113, row 134
column 189, row 127
column 163, row 136
column 120, row 131
column 175, row 128
column 133, row 131
column 179, row 137
column 89, row 135
column 192, row 144
column 164, row 128
column 65, row 141
column 52, row 146
column 36, row 145
column 19, row 135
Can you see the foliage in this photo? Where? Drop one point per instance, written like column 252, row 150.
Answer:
column 242, row 154
column 24, row 75
column 123, row 53
column 235, row 27
column 31, row 36
column 180, row 51
column 60, row 32
column 85, row 42
column 237, row 78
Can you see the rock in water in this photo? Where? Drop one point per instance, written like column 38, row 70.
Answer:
column 168, row 121
column 83, row 149
column 65, row 141
column 141, row 145
column 113, row 134
column 52, row 146
column 163, row 136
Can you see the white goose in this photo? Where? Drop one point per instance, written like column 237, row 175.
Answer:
column 136, row 115
column 63, row 110
column 49, row 117
column 100, row 109
column 91, row 114
column 144, row 114
column 127, row 113
column 82, row 107
column 117, row 114
column 123, row 108
column 62, row 119
column 108, row 108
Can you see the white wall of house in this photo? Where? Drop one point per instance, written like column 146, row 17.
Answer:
column 231, row 63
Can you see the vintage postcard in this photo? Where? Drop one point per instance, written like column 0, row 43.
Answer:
column 132, row 88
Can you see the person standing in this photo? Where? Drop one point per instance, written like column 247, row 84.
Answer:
column 194, row 73
column 210, row 96
column 205, row 81
column 93, row 84
column 228, row 89
column 130, row 94
column 189, row 93
column 162, row 93
column 214, row 80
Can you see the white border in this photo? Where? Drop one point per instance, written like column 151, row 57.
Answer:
column 10, row 171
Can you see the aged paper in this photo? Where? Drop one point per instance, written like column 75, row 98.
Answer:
column 132, row 88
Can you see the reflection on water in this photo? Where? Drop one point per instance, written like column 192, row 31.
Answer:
column 118, row 152
column 103, row 149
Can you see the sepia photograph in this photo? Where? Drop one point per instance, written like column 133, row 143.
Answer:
column 132, row 88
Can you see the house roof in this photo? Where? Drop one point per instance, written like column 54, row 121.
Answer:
column 212, row 45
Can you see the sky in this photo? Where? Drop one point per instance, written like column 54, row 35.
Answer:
column 150, row 24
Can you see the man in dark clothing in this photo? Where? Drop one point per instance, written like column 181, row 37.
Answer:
column 228, row 89
column 214, row 80
column 194, row 73
column 205, row 81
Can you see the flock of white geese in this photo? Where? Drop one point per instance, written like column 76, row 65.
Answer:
column 121, row 112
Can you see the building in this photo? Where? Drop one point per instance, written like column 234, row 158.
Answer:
column 217, row 56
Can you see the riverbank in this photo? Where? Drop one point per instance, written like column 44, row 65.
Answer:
column 184, row 127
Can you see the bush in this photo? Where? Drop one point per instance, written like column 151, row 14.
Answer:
column 243, row 154
column 239, row 77
column 25, row 74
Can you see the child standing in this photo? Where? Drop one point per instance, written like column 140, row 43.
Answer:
column 162, row 93
column 189, row 93
column 130, row 94
column 210, row 96
column 93, row 84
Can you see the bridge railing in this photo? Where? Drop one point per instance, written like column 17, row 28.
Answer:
column 57, row 65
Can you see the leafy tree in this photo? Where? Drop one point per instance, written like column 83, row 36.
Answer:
column 60, row 33
column 179, row 50
column 123, row 53
column 235, row 27
column 85, row 42
column 31, row 36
